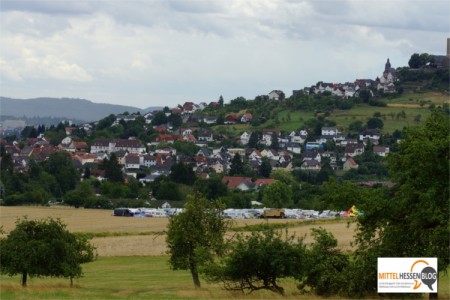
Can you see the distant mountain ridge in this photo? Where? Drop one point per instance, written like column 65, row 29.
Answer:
column 70, row 108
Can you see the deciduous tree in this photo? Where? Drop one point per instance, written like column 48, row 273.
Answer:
column 43, row 248
column 258, row 261
column 195, row 235
column 413, row 220
column 277, row 195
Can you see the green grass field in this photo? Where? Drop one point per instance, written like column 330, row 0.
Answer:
column 141, row 277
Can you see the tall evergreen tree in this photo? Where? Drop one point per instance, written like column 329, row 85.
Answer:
column 266, row 168
column 275, row 143
column 237, row 166
column 113, row 171
column 253, row 140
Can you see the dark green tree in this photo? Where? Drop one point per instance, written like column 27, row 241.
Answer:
column 356, row 126
column 168, row 190
column 277, row 195
column 237, row 166
column 182, row 173
column 325, row 265
column 253, row 140
column 211, row 188
column 29, row 132
column 159, row 118
column 411, row 221
column 60, row 166
column 275, row 142
column 176, row 120
column 220, row 101
column 43, row 248
column 365, row 95
column 374, row 123
column 196, row 235
column 266, row 168
column 258, row 261
column 113, row 171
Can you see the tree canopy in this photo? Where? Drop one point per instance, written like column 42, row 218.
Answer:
column 44, row 248
column 195, row 235
column 412, row 220
column 258, row 261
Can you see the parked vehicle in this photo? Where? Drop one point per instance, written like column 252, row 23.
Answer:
column 273, row 213
column 123, row 212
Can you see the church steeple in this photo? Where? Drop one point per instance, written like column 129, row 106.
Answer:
column 387, row 66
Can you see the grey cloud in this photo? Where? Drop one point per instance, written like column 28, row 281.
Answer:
column 199, row 6
column 50, row 6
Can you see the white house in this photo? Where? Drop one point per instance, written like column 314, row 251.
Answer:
column 245, row 137
column 276, row 95
column 327, row 131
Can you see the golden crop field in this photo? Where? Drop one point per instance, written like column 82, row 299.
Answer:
column 129, row 236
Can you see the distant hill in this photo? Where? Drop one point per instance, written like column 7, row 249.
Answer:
column 78, row 109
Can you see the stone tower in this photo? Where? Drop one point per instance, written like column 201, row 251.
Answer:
column 387, row 66
column 448, row 47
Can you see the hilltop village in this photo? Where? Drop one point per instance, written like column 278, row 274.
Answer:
column 230, row 146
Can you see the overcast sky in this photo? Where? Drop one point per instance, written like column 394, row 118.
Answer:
column 156, row 53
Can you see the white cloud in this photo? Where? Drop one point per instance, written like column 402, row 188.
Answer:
column 144, row 52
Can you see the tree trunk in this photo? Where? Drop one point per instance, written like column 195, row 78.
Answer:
column 71, row 281
column 24, row 278
column 194, row 273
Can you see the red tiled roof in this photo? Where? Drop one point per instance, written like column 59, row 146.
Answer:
column 232, row 181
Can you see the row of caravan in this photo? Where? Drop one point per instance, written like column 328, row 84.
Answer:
column 231, row 213
column 146, row 212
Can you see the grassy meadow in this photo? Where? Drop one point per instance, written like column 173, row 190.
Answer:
column 132, row 261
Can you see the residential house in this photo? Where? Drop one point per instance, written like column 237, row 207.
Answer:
column 85, row 158
column 370, row 134
column 133, row 161
column 349, row 164
column 109, row 146
column 245, row 137
column 311, row 155
column 210, row 120
column 218, row 165
column 267, row 135
column 381, row 150
column 205, row 135
column 354, row 150
column 149, row 160
column 276, row 95
column 186, row 131
column 294, row 147
column 167, row 151
column 331, row 155
column 310, row 165
column 313, row 146
column 66, row 141
column 148, row 117
column 246, row 118
column 233, row 182
column 188, row 108
column 231, row 119
column 347, row 142
column 329, row 131
column 205, row 152
column 166, row 138
column 298, row 136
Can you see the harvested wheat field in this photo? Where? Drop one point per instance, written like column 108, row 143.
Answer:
column 128, row 236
